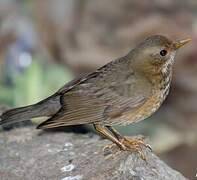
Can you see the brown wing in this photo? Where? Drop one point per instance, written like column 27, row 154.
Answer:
column 100, row 98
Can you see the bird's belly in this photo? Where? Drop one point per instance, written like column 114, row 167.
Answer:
column 142, row 112
column 150, row 106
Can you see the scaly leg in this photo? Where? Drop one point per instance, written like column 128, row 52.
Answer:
column 115, row 132
column 106, row 134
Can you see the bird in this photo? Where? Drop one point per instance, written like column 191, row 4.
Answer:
column 127, row 90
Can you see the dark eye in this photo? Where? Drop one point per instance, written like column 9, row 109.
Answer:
column 163, row 52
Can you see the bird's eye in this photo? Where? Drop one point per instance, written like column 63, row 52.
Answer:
column 163, row 52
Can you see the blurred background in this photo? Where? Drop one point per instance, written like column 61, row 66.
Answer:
column 44, row 44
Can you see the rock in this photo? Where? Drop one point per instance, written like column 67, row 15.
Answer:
column 27, row 153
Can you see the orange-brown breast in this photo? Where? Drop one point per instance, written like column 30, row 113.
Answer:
column 140, row 113
column 159, row 93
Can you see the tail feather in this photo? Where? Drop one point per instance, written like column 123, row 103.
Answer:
column 47, row 108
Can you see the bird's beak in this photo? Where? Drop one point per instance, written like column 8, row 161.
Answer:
column 181, row 43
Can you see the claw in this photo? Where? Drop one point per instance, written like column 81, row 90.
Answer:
column 149, row 147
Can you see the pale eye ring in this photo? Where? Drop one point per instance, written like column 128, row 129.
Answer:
column 163, row 52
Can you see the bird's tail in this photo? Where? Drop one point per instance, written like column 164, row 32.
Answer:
column 47, row 108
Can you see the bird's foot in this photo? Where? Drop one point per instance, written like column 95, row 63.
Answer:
column 135, row 145
column 135, row 142
column 128, row 144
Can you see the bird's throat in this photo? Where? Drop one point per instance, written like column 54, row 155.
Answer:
column 162, row 80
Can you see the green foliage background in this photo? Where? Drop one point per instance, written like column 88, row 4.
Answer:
column 35, row 83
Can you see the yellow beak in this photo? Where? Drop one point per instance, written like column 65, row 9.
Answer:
column 181, row 43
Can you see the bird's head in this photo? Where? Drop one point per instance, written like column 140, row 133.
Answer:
column 155, row 53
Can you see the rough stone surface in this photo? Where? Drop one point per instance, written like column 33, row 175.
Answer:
column 26, row 153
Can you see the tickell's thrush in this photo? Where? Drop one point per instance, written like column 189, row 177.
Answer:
column 126, row 90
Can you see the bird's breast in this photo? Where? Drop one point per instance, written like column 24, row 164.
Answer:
column 160, row 90
column 159, row 93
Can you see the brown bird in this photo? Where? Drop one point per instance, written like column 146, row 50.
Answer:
column 126, row 90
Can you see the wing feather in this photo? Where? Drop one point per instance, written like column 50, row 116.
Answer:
column 100, row 97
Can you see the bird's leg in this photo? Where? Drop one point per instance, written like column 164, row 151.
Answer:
column 130, row 143
column 106, row 134
column 115, row 133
